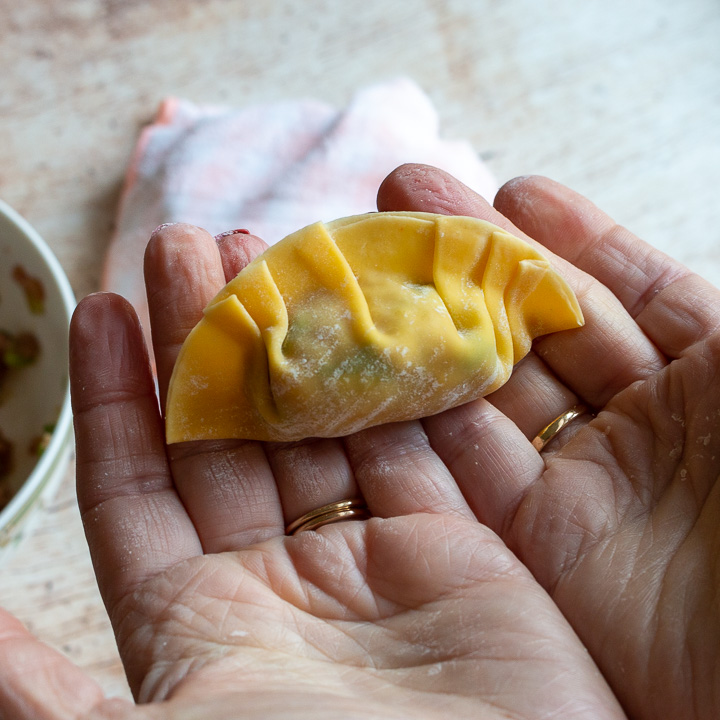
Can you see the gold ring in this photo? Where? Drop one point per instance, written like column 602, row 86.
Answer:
column 334, row 512
column 551, row 430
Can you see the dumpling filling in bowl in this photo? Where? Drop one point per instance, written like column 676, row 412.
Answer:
column 36, row 303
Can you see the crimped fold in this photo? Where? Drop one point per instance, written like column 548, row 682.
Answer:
column 368, row 319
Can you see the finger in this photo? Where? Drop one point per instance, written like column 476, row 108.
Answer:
column 135, row 524
column 183, row 272
column 535, row 390
column 489, row 456
column 310, row 474
column 238, row 248
column 229, row 491
column 571, row 226
column 681, row 315
column 399, row 473
column 38, row 683
column 423, row 188
column 227, row 487
column 673, row 306
column 611, row 343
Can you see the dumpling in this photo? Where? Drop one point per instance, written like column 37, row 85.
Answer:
column 365, row 320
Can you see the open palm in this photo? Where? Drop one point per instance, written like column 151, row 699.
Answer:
column 418, row 612
column 404, row 617
column 620, row 520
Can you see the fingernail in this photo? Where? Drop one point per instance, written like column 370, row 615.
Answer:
column 227, row 233
column 162, row 227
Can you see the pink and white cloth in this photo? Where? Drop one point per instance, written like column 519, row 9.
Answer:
column 273, row 168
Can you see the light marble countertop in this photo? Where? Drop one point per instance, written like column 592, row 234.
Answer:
column 619, row 99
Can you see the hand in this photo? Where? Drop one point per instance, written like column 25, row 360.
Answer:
column 418, row 612
column 619, row 521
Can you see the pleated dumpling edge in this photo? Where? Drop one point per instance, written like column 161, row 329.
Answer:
column 369, row 319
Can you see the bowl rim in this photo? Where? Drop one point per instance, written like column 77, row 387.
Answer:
column 18, row 506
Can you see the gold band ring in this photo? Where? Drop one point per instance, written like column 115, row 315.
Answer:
column 334, row 512
column 551, row 430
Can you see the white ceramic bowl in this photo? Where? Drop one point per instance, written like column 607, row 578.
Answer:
column 37, row 396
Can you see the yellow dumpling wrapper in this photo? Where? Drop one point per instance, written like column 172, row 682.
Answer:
column 365, row 320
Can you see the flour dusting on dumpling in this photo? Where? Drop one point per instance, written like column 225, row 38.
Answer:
column 365, row 320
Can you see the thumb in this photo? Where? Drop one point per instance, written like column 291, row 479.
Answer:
column 37, row 682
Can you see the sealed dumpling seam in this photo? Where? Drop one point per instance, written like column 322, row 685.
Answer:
column 369, row 319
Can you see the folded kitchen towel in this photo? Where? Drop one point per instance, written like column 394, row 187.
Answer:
column 273, row 168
